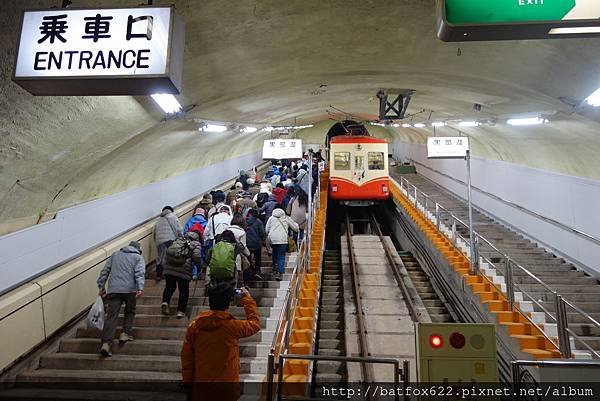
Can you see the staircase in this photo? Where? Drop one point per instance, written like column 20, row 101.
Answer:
column 575, row 286
column 149, row 368
column 331, row 332
column 435, row 307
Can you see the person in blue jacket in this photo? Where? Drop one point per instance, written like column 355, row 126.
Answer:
column 196, row 223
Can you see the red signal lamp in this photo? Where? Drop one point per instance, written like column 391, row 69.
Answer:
column 435, row 341
column 457, row 340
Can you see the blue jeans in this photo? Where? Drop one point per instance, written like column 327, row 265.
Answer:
column 279, row 257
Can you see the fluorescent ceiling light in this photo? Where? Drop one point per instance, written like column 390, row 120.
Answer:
column 214, row 128
column 405, row 125
column 469, row 124
column 574, row 30
column 419, row 125
column 526, row 121
column 438, row 124
column 304, row 126
column 167, row 102
column 268, row 129
column 249, row 130
column 594, row 98
column 395, row 125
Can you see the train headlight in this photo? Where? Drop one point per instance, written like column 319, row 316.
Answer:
column 384, row 189
column 334, row 188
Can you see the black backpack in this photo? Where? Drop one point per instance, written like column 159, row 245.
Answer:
column 262, row 198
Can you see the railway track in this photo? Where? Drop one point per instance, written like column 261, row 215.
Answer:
column 371, row 296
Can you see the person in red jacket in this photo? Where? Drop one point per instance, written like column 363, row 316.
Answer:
column 279, row 193
column 210, row 360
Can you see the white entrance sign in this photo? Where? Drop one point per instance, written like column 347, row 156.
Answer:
column 447, row 147
column 119, row 51
column 282, row 149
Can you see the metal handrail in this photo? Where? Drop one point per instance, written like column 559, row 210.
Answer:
column 560, row 225
column 280, row 342
column 561, row 304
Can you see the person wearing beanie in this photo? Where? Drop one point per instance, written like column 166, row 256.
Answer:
column 196, row 223
column 166, row 230
column 121, row 281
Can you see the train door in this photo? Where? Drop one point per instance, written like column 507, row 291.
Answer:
column 359, row 170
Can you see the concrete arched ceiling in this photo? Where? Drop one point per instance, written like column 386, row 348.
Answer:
column 269, row 61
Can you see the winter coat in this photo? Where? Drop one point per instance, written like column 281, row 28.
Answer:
column 245, row 204
column 268, row 207
column 216, row 225
column 255, row 233
column 215, row 209
column 303, row 180
column 239, row 233
column 211, row 352
column 185, row 271
column 167, row 228
column 124, row 270
column 278, row 225
column 297, row 212
column 279, row 194
column 197, row 218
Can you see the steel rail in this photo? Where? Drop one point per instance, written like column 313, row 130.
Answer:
column 412, row 309
column 367, row 370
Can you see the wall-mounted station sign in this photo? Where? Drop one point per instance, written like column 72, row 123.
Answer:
column 454, row 147
column 478, row 20
column 117, row 51
column 277, row 149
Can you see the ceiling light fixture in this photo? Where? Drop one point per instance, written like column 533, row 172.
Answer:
column 268, row 129
column 469, row 124
column 407, row 125
column 438, row 124
column 419, row 125
column 248, row 130
column 526, row 121
column 214, row 128
column 167, row 102
column 594, row 98
column 574, row 30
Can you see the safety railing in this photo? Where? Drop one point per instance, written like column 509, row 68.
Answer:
column 522, row 377
column 283, row 330
column 505, row 264
column 399, row 374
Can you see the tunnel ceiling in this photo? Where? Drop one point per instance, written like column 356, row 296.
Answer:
column 273, row 61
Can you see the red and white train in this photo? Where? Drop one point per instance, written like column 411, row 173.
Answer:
column 358, row 170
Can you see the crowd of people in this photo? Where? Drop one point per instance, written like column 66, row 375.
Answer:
column 221, row 243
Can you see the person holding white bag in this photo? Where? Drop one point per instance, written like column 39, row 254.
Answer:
column 124, row 271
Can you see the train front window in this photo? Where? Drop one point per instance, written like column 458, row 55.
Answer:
column 341, row 160
column 376, row 161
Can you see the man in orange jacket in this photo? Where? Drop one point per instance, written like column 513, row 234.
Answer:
column 210, row 358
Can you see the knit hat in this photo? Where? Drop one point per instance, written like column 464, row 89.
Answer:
column 199, row 210
column 136, row 245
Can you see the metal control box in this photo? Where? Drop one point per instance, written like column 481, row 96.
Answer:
column 456, row 352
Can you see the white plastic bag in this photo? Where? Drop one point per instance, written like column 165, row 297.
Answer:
column 95, row 318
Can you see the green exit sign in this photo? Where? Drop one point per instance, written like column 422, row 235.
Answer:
column 473, row 20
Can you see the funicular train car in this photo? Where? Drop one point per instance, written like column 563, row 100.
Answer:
column 359, row 170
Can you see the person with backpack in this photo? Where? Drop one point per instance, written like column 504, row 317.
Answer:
column 221, row 258
column 217, row 223
column 302, row 178
column 180, row 257
column 210, row 357
column 255, row 237
column 277, row 229
column 196, row 223
column 124, row 273
column 166, row 230
column 246, row 203
column 268, row 207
